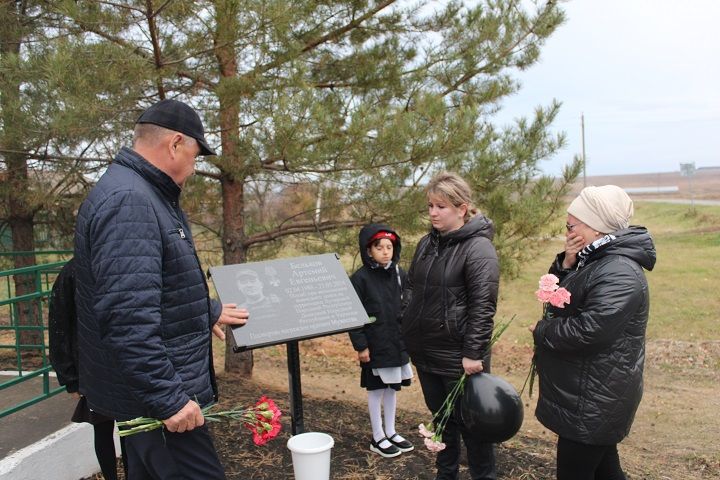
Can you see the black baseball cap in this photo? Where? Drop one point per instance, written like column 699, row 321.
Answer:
column 178, row 117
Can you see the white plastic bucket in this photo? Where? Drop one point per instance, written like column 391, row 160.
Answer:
column 311, row 455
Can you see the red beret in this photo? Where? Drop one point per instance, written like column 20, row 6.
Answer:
column 383, row 234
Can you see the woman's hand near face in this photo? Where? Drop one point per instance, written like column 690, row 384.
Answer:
column 573, row 244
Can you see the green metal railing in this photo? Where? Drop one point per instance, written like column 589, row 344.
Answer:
column 23, row 330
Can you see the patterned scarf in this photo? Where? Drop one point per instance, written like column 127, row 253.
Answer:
column 588, row 250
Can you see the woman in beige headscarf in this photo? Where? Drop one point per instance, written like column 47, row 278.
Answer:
column 590, row 354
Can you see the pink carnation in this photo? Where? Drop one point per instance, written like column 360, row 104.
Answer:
column 559, row 298
column 549, row 282
column 424, row 431
column 434, row 446
column 544, row 295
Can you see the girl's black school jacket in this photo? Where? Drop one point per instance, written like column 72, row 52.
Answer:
column 379, row 292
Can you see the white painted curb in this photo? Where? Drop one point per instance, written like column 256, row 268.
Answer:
column 68, row 454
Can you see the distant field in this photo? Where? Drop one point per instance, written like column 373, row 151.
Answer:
column 683, row 287
column 705, row 183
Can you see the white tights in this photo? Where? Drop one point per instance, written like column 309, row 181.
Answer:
column 383, row 403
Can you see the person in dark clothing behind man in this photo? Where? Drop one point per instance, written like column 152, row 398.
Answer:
column 449, row 305
column 590, row 355
column 62, row 330
column 144, row 312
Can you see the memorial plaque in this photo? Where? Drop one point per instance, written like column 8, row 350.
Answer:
column 290, row 299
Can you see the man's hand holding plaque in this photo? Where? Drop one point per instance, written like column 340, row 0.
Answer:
column 230, row 315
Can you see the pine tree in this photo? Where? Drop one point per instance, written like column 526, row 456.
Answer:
column 18, row 213
column 55, row 118
column 357, row 102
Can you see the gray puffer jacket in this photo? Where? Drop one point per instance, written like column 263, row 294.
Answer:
column 590, row 354
column 450, row 298
column 144, row 315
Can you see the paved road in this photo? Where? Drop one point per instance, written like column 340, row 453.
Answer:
column 679, row 201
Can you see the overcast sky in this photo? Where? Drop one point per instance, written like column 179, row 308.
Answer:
column 646, row 76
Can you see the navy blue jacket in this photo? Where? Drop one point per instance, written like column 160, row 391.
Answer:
column 144, row 314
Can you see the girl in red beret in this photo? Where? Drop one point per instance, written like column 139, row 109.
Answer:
column 385, row 365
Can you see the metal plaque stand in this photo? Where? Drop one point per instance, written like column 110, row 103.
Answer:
column 294, row 387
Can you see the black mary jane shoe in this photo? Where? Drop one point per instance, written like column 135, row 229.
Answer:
column 402, row 445
column 389, row 452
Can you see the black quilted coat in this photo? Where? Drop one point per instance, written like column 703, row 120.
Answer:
column 379, row 291
column 590, row 354
column 144, row 315
column 450, row 298
column 62, row 326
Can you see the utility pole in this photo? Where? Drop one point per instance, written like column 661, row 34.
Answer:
column 582, row 129
column 688, row 170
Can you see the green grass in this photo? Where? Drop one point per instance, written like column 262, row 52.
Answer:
column 685, row 304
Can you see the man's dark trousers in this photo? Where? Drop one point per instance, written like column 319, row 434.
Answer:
column 162, row 455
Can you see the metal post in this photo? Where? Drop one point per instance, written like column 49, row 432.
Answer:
column 688, row 170
column 582, row 129
column 692, row 196
column 296, row 409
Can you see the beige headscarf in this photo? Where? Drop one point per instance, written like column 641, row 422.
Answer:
column 606, row 209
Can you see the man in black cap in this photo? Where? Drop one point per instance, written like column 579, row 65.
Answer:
column 144, row 314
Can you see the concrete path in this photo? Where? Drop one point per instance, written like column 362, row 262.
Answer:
column 40, row 441
column 34, row 423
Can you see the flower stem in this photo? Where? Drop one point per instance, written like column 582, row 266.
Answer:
column 530, row 379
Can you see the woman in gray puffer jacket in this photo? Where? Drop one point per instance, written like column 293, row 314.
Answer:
column 449, row 305
column 590, row 354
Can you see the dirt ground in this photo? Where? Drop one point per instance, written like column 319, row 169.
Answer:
column 333, row 402
column 675, row 435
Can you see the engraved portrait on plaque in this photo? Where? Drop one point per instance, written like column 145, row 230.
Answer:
column 289, row 299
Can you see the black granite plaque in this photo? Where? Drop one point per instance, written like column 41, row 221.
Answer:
column 290, row 299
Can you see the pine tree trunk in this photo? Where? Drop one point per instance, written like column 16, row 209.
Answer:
column 20, row 212
column 232, row 183
column 234, row 252
column 28, row 313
